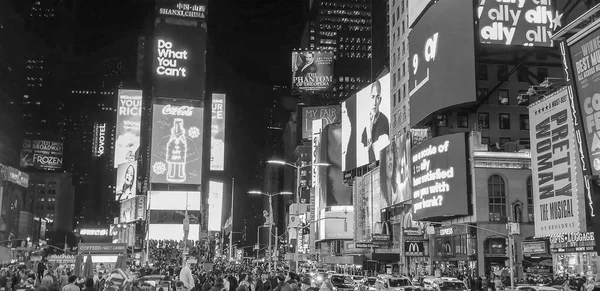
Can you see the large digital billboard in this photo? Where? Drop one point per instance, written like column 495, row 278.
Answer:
column 439, row 175
column 176, row 144
column 179, row 57
column 186, row 9
column 172, row 231
column 174, row 200
column 528, row 23
column 338, row 223
column 329, row 114
column 129, row 116
column 333, row 191
column 217, row 133
column 368, row 204
column 558, row 190
column 366, row 125
column 126, row 181
column 42, row 154
column 442, row 61
column 133, row 209
column 215, row 205
column 395, row 168
column 312, row 70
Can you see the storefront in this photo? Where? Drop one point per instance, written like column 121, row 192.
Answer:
column 574, row 254
column 416, row 252
column 537, row 260
column 454, row 250
column 105, row 253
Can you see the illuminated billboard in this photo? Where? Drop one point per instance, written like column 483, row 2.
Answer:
column 217, row 133
column 129, row 116
column 176, row 144
column 126, row 181
column 338, row 223
column 215, row 205
column 558, row 189
column 312, row 70
column 395, row 168
column 332, row 189
column 99, row 142
column 438, row 177
column 42, row 154
column 366, row 125
column 440, row 47
column 172, row 232
column 528, row 23
column 329, row 114
column 174, row 200
column 185, row 9
column 133, row 209
column 368, row 204
column 179, row 61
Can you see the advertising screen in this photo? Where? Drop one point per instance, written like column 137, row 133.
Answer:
column 558, row 189
column 172, row 231
column 438, row 177
column 312, row 70
column 217, row 133
column 42, row 154
column 315, row 195
column 176, row 144
column 179, row 57
column 395, row 168
column 99, row 142
column 366, row 125
column 174, row 200
column 129, row 116
column 174, row 216
column 186, row 9
column 329, row 114
column 368, row 206
column 440, row 47
column 337, row 223
column 333, row 191
column 133, row 209
column 528, row 23
column 215, row 205
column 126, row 181
column 584, row 61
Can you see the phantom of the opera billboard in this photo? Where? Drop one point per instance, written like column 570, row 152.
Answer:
column 176, row 155
column 312, row 70
column 129, row 116
column 558, row 189
column 522, row 23
column 179, row 58
column 42, row 154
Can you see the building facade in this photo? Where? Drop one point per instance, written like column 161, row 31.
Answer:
column 53, row 194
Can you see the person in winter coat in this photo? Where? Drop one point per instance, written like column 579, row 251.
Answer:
column 219, row 286
column 290, row 282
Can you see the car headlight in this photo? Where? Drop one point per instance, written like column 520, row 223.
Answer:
column 334, row 288
column 319, row 278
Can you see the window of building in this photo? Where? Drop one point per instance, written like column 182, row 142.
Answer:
column 542, row 74
column 404, row 112
column 403, row 27
column 523, row 74
column 403, row 69
column 442, row 121
column 403, row 47
column 497, row 198
column 484, row 120
column 463, row 120
column 394, row 102
column 393, row 19
column 502, row 72
column 394, row 60
column 529, row 187
column 482, row 72
column 503, row 97
column 403, row 91
column 524, row 121
column 394, row 80
column 485, row 140
column 504, row 120
column 482, row 93
column 523, row 98
column 402, row 6
column 398, row 13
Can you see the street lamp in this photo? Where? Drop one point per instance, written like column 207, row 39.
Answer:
column 270, row 195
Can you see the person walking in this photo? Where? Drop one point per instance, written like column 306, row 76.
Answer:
column 71, row 286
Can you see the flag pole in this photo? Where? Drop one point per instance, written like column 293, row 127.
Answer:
column 231, row 217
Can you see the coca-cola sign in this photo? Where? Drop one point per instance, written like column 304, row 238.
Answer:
column 176, row 156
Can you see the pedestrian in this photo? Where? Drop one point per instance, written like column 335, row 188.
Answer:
column 89, row 285
column 290, row 282
column 218, row 286
column 71, row 285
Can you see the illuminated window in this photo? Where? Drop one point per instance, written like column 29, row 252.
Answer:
column 484, row 120
column 529, row 199
column 497, row 198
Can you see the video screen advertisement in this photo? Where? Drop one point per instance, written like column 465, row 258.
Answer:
column 217, row 133
column 133, row 209
column 522, row 23
column 333, row 191
column 329, row 114
column 312, row 70
column 42, row 154
column 176, row 155
column 439, row 175
column 366, row 125
column 338, row 223
column 215, row 205
column 185, row 9
column 558, row 189
column 442, row 61
column 129, row 117
column 368, row 205
column 179, row 61
column 395, row 170
column 126, row 181
column 167, row 211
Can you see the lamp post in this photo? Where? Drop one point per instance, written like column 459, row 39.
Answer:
column 298, row 168
column 270, row 195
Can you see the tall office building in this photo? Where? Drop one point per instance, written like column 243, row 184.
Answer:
column 398, row 54
column 53, row 196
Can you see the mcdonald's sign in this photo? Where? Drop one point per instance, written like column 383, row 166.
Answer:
column 414, row 249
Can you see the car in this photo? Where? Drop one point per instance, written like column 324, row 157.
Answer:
column 358, row 279
column 367, row 284
column 153, row 283
column 443, row 284
column 536, row 288
column 341, row 282
column 397, row 283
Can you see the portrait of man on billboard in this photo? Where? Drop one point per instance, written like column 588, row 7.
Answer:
column 307, row 64
column 375, row 135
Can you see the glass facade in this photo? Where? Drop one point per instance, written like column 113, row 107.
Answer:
column 574, row 264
